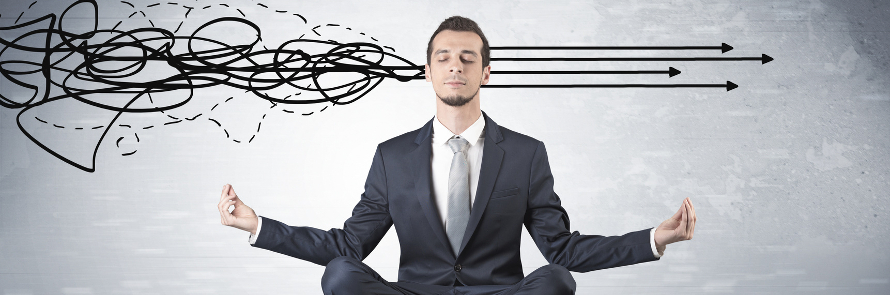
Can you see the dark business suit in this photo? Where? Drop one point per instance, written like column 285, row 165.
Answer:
column 515, row 188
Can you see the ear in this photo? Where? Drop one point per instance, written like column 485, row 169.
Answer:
column 426, row 73
column 486, row 74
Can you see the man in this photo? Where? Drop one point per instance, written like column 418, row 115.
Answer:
column 458, row 191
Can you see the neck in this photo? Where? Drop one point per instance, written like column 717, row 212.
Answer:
column 458, row 119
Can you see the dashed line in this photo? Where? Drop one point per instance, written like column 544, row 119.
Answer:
column 205, row 7
column 228, row 99
column 214, row 106
column 143, row 13
column 148, row 127
column 289, row 112
column 57, row 126
column 193, row 118
column 78, row 128
column 304, row 19
column 281, row 11
column 124, row 125
column 173, row 122
column 32, row 4
column 322, row 110
column 237, row 141
column 115, row 26
column 251, row 138
column 172, row 3
column 333, row 25
column 223, row 4
column 215, row 121
column 97, row 127
column 259, row 125
column 118, row 142
column 263, row 5
column 316, row 27
column 151, row 23
column 177, row 28
column 310, row 113
column 242, row 13
column 227, row 132
column 153, row 5
column 20, row 16
column 132, row 14
column 137, row 137
column 128, row 3
column 127, row 154
column 38, row 119
column 390, row 48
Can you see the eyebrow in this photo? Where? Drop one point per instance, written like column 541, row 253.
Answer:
column 462, row 52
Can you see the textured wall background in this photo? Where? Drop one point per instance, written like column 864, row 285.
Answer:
column 788, row 172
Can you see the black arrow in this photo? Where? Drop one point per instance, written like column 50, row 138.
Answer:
column 671, row 72
column 764, row 58
column 729, row 86
column 724, row 47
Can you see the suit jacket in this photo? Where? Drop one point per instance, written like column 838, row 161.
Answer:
column 515, row 188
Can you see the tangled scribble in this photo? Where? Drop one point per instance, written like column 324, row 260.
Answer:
column 113, row 70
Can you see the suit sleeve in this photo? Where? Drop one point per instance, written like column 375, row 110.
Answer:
column 548, row 224
column 360, row 234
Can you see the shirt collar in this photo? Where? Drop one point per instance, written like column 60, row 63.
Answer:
column 473, row 132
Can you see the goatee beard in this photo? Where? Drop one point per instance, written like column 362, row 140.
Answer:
column 457, row 100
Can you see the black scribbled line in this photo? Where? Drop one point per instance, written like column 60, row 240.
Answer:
column 151, row 23
column 32, row 4
column 316, row 27
column 223, row 4
column 137, row 137
column 124, row 125
column 189, row 7
column 273, row 105
column 127, row 154
column 304, row 19
column 228, row 99
column 148, row 127
column 322, row 110
column 289, row 112
column 128, row 3
column 251, row 138
column 310, row 113
column 187, row 11
column 132, row 14
column 18, row 18
column 215, row 121
column 156, row 4
column 263, row 5
column 227, row 132
column 193, row 118
column 236, row 141
column 38, row 119
column 118, row 142
column 177, row 28
column 281, row 11
column 115, row 27
column 205, row 7
column 78, row 128
column 333, row 25
column 214, row 106
column 242, row 13
column 173, row 122
column 97, row 127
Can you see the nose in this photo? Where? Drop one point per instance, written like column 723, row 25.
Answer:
column 455, row 67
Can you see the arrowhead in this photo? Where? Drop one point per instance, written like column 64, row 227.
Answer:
column 673, row 72
column 726, row 47
column 766, row 59
column 731, row 86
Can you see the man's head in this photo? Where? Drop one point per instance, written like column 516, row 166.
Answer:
column 457, row 61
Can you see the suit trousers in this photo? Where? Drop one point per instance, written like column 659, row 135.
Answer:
column 346, row 275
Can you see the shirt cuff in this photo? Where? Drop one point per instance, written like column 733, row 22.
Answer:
column 651, row 243
column 259, row 226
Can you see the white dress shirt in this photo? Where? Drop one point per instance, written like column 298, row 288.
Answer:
column 440, row 161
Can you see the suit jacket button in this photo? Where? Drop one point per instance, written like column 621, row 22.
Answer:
column 457, row 268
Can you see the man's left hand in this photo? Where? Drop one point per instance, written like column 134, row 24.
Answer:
column 677, row 228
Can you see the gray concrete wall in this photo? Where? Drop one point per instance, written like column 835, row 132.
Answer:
column 788, row 172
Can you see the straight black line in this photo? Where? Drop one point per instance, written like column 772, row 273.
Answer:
column 606, row 47
column 624, row 58
column 607, row 86
column 576, row 72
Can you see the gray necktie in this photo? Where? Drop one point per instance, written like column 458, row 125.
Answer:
column 458, row 193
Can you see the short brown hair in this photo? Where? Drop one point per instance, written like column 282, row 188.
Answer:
column 460, row 24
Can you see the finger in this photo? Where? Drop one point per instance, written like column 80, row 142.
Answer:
column 232, row 190
column 224, row 190
column 679, row 213
column 694, row 219
column 689, row 223
column 683, row 223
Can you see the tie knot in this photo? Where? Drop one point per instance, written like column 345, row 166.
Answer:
column 458, row 144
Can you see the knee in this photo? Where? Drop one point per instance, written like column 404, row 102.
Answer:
column 338, row 274
column 557, row 279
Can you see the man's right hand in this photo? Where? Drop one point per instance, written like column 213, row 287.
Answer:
column 242, row 217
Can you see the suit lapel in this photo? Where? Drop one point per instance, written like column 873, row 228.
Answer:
column 492, row 156
column 420, row 158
